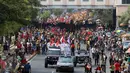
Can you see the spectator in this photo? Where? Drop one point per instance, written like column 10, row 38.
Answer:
column 23, row 61
column 27, row 68
column 117, row 67
column 112, row 68
column 72, row 48
column 2, row 65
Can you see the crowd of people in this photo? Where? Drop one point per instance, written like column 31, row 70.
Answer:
column 30, row 40
column 67, row 17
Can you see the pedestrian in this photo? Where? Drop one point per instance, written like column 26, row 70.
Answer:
column 117, row 67
column 96, row 58
column 129, row 68
column 43, row 47
column 112, row 68
column 27, row 68
column 2, row 65
column 124, row 68
column 93, row 51
column 88, row 68
column 5, row 48
column 72, row 49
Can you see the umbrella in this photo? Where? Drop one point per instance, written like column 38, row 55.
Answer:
column 128, row 51
column 120, row 31
column 126, row 35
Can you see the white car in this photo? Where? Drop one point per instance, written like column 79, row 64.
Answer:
column 108, row 34
column 65, row 63
column 126, row 44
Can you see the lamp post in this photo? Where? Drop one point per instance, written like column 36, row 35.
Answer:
column 128, row 25
column 117, row 24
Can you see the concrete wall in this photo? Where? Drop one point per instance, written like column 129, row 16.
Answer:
column 77, row 2
column 115, row 3
column 120, row 9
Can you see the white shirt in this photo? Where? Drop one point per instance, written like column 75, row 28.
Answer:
column 93, row 50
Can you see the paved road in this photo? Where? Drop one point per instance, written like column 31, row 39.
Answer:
column 38, row 66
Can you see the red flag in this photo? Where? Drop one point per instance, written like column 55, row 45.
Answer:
column 57, row 43
column 62, row 39
column 86, row 38
column 52, row 41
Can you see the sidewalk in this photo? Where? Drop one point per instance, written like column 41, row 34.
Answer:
column 28, row 57
column 9, row 59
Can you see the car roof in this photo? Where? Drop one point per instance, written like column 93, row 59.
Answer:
column 65, row 56
column 126, row 41
column 54, row 49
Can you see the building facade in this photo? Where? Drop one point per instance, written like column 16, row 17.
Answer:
column 119, row 5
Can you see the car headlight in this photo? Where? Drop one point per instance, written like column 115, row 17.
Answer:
column 48, row 57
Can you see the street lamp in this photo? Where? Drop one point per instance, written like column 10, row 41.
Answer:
column 128, row 25
column 117, row 25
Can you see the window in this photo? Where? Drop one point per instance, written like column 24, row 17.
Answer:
column 85, row 0
column 125, row 1
column 57, row 0
column 71, row 0
column 100, row 0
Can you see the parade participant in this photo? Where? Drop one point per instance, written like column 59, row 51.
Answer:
column 98, row 69
column 2, row 65
column 93, row 51
column 43, row 47
column 129, row 68
column 117, row 67
column 112, row 68
column 23, row 61
column 72, row 48
column 88, row 68
column 124, row 68
column 96, row 58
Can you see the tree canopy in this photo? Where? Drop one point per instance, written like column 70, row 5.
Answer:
column 125, row 17
column 16, row 13
column 106, row 16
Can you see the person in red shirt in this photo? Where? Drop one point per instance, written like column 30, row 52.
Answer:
column 117, row 67
column 23, row 61
column 98, row 69
column 72, row 49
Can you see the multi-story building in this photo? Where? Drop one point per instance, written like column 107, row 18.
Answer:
column 119, row 5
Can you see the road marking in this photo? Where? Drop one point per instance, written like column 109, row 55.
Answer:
column 33, row 58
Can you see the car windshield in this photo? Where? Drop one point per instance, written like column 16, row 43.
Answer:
column 54, row 52
column 55, row 47
column 81, row 51
column 65, row 60
column 126, row 44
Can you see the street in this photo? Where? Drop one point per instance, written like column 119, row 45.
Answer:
column 37, row 64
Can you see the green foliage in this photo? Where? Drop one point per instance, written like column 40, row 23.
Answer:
column 106, row 15
column 45, row 15
column 125, row 17
column 16, row 13
column 57, row 12
column 9, row 27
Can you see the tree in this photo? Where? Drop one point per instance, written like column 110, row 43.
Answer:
column 106, row 15
column 125, row 17
column 45, row 15
column 10, row 27
column 19, row 12
column 57, row 12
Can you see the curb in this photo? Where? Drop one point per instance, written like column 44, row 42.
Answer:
column 32, row 56
column 17, row 66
